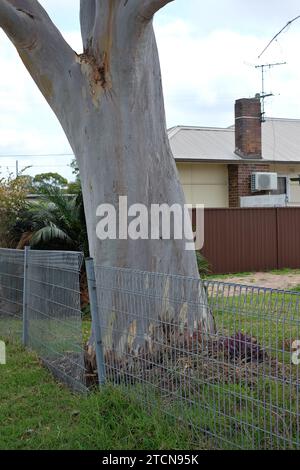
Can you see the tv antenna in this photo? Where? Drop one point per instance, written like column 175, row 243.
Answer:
column 278, row 34
column 263, row 95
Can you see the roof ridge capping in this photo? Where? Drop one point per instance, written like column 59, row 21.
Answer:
column 282, row 119
column 173, row 130
column 272, row 119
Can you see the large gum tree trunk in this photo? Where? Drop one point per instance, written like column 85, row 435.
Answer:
column 109, row 102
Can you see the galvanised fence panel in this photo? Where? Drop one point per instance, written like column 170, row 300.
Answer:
column 235, row 387
column 11, row 293
column 53, row 314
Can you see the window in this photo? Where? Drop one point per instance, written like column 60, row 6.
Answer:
column 281, row 186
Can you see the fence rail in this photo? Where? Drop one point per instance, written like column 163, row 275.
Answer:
column 218, row 358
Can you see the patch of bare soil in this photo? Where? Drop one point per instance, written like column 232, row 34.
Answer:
column 286, row 281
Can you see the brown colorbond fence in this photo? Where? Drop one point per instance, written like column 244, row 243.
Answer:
column 256, row 239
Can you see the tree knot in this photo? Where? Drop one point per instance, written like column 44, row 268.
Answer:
column 97, row 75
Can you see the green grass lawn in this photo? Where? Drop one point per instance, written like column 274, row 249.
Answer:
column 246, row 405
column 38, row 413
column 272, row 317
column 217, row 402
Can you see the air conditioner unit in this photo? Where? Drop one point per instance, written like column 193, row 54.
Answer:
column 264, row 182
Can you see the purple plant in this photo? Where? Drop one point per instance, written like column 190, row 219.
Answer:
column 242, row 347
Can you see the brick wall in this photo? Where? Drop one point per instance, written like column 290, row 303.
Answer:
column 248, row 143
column 239, row 176
column 248, row 134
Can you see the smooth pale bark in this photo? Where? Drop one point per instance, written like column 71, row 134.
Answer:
column 109, row 102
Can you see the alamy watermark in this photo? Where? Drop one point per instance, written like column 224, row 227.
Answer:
column 2, row 353
column 159, row 222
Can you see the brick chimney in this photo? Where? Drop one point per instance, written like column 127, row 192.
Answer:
column 248, row 128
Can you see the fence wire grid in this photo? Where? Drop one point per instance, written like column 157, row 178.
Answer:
column 11, row 292
column 218, row 358
column 236, row 386
column 41, row 304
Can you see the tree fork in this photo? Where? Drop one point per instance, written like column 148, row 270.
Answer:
column 109, row 101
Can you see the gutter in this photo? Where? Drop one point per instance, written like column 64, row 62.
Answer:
column 240, row 161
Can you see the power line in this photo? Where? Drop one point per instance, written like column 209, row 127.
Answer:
column 39, row 155
column 39, row 166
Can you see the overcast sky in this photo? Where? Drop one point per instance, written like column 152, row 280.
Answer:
column 208, row 51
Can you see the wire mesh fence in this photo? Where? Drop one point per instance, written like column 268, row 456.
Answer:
column 236, row 386
column 54, row 314
column 40, row 304
column 222, row 359
column 11, row 292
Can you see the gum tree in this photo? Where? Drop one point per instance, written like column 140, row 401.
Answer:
column 109, row 102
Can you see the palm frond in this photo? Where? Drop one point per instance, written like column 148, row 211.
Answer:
column 55, row 217
column 48, row 234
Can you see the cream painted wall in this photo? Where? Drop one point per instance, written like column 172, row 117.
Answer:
column 292, row 171
column 207, row 183
column 204, row 183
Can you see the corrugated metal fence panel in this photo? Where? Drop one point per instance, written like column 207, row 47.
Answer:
column 289, row 237
column 241, row 240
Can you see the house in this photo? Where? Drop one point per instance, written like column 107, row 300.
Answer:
column 218, row 167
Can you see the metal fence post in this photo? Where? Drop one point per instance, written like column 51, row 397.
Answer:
column 96, row 326
column 25, row 297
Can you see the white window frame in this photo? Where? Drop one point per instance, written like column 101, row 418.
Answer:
column 288, row 185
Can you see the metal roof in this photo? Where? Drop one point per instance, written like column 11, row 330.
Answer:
column 280, row 142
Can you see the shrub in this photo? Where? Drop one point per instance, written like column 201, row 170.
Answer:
column 13, row 192
column 203, row 265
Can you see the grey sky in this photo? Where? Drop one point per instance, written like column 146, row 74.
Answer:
column 208, row 51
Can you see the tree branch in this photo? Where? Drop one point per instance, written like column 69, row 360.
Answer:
column 150, row 7
column 40, row 45
column 15, row 23
column 87, row 21
column 97, row 16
